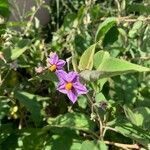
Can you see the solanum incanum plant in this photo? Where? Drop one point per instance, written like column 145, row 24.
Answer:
column 69, row 83
column 85, row 98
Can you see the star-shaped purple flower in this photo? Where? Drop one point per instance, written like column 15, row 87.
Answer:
column 69, row 84
column 54, row 63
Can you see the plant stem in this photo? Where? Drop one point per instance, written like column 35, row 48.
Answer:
column 94, row 108
column 57, row 5
column 2, row 80
column 32, row 17
column 108, row 128
column 119, row 8
column 123, row 146
column 129, row 19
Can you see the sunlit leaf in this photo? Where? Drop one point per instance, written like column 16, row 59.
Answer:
column 104, row 27
column 130, row 115
column 107, row 66
column 20, row 48
column 76, row 121
column 133, row 132
column 30, row 102
column 86, row 60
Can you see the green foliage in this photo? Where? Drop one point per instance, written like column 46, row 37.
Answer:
column 107, row 43
column 19, row 48
column 29, row 101
column 139, row 116
column 74, row 121
column 4, row 8
column 108, row 67
column 134, row 133
column 87, row 145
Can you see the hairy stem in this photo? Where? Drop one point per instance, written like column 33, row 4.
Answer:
column 94, row 108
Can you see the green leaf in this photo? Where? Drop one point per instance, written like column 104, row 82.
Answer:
column 92, row 75
column 101, row 83
column 135, row 29
column 86, row 60
column 104, row 27
column 6, row 130
column 93, row 145
column 99, row 97
column 115, row 65
column 137, row 7
column 107, row 66
column 82, row 102
column 30, row 102
column 26, row 138
column 20, row 48
column 4, row 107
column 100, row 57
column 4, row 8
column 74, row 120
column 142, row 117
column 133, row 132
column 130, row 115
column 111, row 36
column 67, row 140
column 119, row 66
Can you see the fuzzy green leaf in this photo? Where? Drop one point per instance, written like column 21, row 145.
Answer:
column 86, row 60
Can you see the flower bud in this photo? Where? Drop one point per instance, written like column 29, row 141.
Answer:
column 2, row 57
column 39, row 69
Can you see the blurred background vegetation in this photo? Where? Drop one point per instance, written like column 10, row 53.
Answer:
column 33, row 115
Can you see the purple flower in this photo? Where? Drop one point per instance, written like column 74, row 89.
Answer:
column 54, row 63
column 69, row 84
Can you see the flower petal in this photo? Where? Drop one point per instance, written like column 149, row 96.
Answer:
column 72, row 77
column 72, row 95
column 48, row 62
column 62, row 75
column 80, row 88
column 60, row 64
column 53, row 59
column 61, row 87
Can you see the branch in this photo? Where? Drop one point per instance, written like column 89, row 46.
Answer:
column 39, row 5
column 119, row 7
column 129, row 19
column 123, row 146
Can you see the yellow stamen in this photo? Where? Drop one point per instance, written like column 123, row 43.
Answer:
column 53, row 68
column 68, row 86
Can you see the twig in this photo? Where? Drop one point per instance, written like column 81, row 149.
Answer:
column 141, row 58
column 108, row 128
column 2, row 80
column 123, row 146
column 18, row 12
column 66, row 6
column 129, row 19
column 119, row 8
column 57, row 6
column 24, row 8
column 32, row 17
